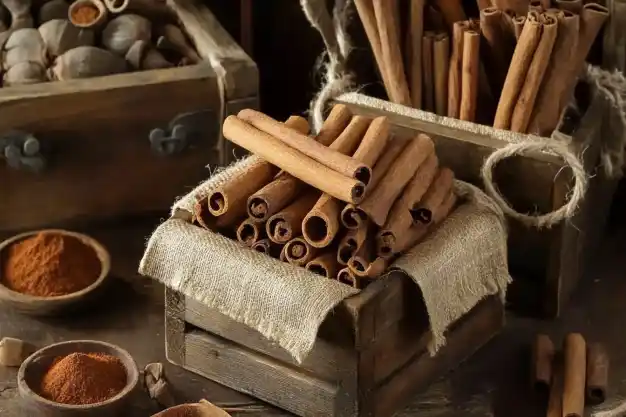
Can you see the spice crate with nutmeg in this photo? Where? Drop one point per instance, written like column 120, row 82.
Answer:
column 109, row 111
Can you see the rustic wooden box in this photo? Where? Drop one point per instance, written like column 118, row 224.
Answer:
column 94, row 134
column 369, row 359
column 545, row 264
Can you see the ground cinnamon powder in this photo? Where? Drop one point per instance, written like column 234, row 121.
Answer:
column 181, row 412
column 84, row 378
column 50, row 264
column 85, row 14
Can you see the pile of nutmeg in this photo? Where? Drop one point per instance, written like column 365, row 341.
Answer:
column 46, row 40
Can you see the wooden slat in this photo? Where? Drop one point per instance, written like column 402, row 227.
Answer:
column 174, row 327
column 258, row 375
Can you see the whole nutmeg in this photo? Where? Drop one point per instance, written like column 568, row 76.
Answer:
column 24, row 45
column 86, row 62
column 59, row 36
column 53, row 9
column 123, row 31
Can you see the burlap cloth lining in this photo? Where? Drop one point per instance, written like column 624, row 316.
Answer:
column 462, row 263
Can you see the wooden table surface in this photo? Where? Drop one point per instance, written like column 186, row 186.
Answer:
column 492, row 383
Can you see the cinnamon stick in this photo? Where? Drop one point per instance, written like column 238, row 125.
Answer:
column 469, row 75
column 364, row 268
column 456, row 68
column 518, row 26
column 399, row 219
column 202, row 215
column 292, row 161
column 374, row 142
column 250, row 231
column 287, row 223
column 283, row 254
column 351, row 243
column 535, row 5
column 386, row 12
column 499, row 44
column 483, row 4
column 520, row 7
column 441, row 66
column 299, row 252
column 336, row 122
column 541, row 367
column 346, row 276
column 574, row 6
column 575, row 353
column 440, row 187
column 597, row 374
column 452, row 11
column 416, row 31
column 428, row 100
column 325, row 155
column 507, row 18
column 268, row 247
column 378, row 203
column 325, row 265
column 540, row 61
column 352, row 216
column 522, row 58
column 350, row 139
column 546, row 114
column 555, row 400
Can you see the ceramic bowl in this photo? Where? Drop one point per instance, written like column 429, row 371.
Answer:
column 35, row 366
column 48, row 306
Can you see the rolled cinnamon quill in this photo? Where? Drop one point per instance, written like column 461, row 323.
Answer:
column 299, row 252
column 428, row 99
column 345, row 276
column 452, row 11
column 574, row 6
column 325, row 155
column 483, row 4
column 575, row 356
column 541, row 366
column 520, row 7
column 499, row 43
column 400, row 219
column 293, row 161
column 202, row 216
column 325, row 265
column 336, row 122
column 267, row 247
column 528, row 94
column 555, row 399
column 437, row 191
column 518, row 26
column 416, row 31
column 522, row 58
column 597, row 374
column 352, row 242
column 287, row 223
column 250, row 231
column 364, row 268
column 378, row 203
column 469, row 75
column 456, row 68
column 441, row 66
column 535, row 5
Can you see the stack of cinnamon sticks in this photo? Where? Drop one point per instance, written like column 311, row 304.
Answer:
column 343, row 204
column 514, row 67
column 569, row 379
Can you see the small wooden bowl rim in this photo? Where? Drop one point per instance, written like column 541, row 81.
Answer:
column 104, row 11
column 99, row 249
column 131, row 373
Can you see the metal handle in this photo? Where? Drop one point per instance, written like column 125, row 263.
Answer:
column 22, row 150
column 182, row 132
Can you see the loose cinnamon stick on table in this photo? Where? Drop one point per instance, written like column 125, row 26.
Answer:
column 299, row 252
column 386, row 12
column 540, row 61
column 378, row 203
column 416, row 31
column 287, row 223
column 499, row 42
column 452, row 11
column 293, row 161
column 440, row 187
column 546, row 113
column 428, row 99
column 469, row 75
column 518, row 26
column 250, row 231
column 352, row 242
column 575, row 355
column 325, row 265
column 441, row 66
column 522, row 58
column 597, row 374
column 325, row 155
column 456, row 68
column 352, row 216
column 399, row 218
column 541, row 366
column 574, row 6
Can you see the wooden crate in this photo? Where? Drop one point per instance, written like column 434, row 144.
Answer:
column 369, row 359
column 94, row 133
column 546, row 264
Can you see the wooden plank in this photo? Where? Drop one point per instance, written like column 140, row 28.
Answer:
column 477, row 328
column 258, row 375
column 174, row 327
column 327, row 361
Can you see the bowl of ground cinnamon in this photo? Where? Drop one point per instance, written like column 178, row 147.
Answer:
column 77, row 378
column 49, row 272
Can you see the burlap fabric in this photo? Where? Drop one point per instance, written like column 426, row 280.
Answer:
column 463, row 262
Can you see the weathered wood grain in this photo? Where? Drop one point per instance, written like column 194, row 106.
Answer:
column 174, row 327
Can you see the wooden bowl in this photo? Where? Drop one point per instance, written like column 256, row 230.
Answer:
column 48, row 306
column 36, row 365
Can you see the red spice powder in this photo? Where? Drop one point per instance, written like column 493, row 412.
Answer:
column 50, row 264
column 84, row 378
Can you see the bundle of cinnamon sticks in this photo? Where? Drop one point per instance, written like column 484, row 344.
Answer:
column 571, row 378
column 343, row 204
column 514, row 67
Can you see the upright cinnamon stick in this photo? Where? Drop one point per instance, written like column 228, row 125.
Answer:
column 520, row 7
column 469, row 75
column 292, row 161
column 427, row 72
column 546, row 113
column 536, row 6
column 378, row 203
column 540, row 61
column 336, row 122
column 597, row 374
column 555, row 400
column 250, row 231
column 575, row 354
column 325, row 265
column 416, row 31
column 287, row 223
column 483, row 4
column 325, row 155
column 423, row 212
column 386, row 12
column 522, row 58
column 541, row 366
column 441, row 66
column 352, row 242
column 574, row 6
column 452, row 11
column 456, row 68
column 518, row 26
column 352, row 216
column 299, row 252
column 499, row 43
column 399, row 219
